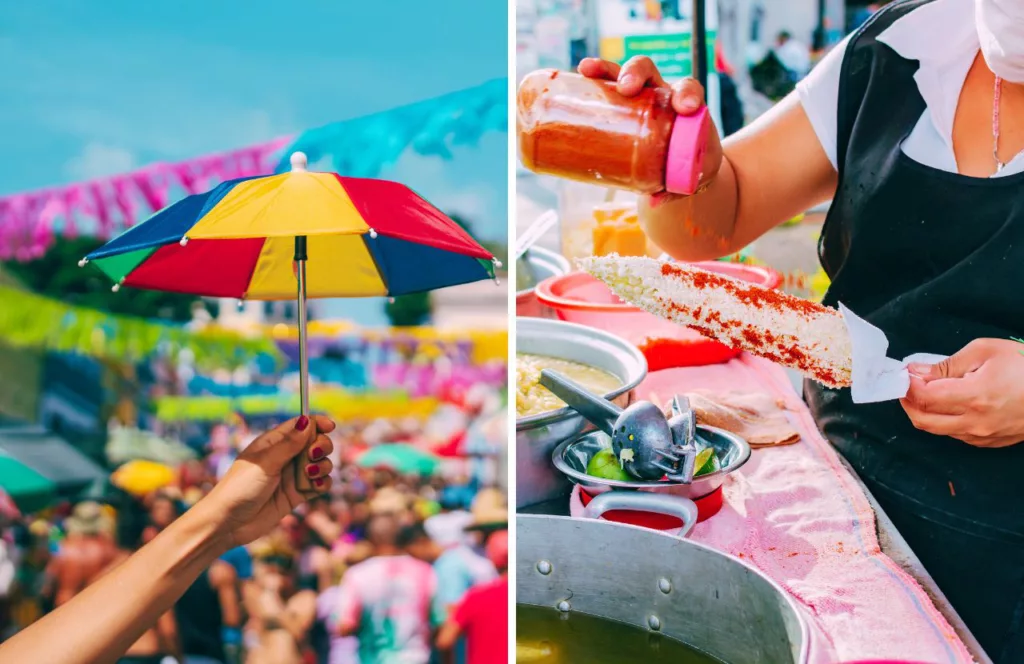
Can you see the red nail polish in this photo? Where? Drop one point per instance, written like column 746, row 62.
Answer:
column 318, row 481
column 316, row 453
column 312, row 470
column 301, row 423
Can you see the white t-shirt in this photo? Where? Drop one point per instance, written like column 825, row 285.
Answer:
column 943, row 38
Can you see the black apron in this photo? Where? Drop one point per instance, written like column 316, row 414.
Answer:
column 936, row 260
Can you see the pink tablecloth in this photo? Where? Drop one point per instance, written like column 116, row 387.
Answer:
column 798, row 515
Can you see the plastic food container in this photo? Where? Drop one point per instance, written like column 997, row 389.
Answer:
column 582, row 299
column 545, row 264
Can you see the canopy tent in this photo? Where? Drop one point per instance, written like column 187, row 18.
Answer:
column 29, row 490
column 52, row 457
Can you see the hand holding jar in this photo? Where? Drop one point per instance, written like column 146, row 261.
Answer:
column 620, row 127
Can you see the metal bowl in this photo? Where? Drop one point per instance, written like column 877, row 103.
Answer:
column 572, row 456
column 545, row 264
column 537, row 435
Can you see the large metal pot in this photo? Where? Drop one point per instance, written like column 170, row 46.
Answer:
column 660, row 583
column 537, row 435
column 544, row 264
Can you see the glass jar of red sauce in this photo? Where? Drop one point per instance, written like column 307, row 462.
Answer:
column 582, row 129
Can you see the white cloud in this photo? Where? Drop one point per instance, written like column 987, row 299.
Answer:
column 99, row 160
column 453, row 187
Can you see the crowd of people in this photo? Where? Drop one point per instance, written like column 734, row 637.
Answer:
column 385, row 567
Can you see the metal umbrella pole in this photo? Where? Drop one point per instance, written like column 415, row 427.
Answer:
column 303, row 482
column 699, row 44
column 301, row 479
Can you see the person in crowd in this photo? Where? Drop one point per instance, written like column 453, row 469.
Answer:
column 209, row 615
column 732, row 107
column 912, row 129
column 482, row 615
column 331, row 647
column 385, row 601
column 283, row 612
column 101, row 622
column 87, row 550
column 163, row 510
column 794, row 56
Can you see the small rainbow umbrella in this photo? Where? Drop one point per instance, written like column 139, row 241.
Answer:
column 296, row 235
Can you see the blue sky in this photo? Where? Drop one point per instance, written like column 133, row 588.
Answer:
column 95, row 88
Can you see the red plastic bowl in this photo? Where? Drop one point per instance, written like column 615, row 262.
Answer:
column 581, row 298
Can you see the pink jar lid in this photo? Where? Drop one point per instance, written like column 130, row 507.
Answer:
column 686, row 147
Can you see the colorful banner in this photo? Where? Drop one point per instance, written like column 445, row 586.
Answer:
column 361, row 147
column 364, row 146
column 341, row 405
column 32, row 321
column 104, row 207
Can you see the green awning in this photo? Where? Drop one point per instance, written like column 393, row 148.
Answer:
column 29, row 490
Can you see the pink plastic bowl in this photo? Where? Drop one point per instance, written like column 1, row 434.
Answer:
column 581, row 298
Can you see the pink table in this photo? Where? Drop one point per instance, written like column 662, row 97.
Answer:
column 801, row 516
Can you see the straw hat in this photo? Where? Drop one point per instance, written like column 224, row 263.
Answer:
column 89, row 519
column 489, row 511
column 389, row 501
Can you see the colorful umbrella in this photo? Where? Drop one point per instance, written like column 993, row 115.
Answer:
column 30, row 491
column 296, row 235
column 141, row 477
column 399, row 457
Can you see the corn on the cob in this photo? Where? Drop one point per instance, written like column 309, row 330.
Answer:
column 794, row 332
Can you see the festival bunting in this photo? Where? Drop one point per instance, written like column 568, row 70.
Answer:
column 364, row 146
column 359, row 147
column 32, row 321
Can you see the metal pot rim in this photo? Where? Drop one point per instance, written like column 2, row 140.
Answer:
column 638, row 360
column 640, row 531
column 560, row 265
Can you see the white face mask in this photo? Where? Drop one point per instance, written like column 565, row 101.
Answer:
column 1001, row 32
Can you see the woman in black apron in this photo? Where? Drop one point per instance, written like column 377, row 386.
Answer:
column 934, row 258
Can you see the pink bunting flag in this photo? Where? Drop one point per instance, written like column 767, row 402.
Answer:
column 30, row 221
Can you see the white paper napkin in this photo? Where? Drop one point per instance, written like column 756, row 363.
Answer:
column 875, row 376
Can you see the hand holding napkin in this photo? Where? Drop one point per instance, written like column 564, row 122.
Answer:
column 875, row 376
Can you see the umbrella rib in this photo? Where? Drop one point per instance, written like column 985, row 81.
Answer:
column 377, row 264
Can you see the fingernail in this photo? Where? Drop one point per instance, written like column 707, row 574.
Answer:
column 689, row 104
column 628, row 80
column 316, row 453
column 318, row 481
column 301, row 423
column 312, row 470
column 923, row 370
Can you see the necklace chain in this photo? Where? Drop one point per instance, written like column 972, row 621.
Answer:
column 996, row 96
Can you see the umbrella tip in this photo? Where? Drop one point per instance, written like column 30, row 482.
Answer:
column 298, row 161
column 83, row 262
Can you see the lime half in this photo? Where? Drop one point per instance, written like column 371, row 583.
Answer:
column 706, row 462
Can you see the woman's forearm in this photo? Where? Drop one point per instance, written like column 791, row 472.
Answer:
column 772, row 170
column 102, row 621
column 699, row 227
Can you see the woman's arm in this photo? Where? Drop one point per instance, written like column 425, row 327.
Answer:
column 761, row 176
column 102, row 621
column 771, row 171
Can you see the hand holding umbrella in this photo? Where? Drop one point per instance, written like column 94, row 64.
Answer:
column 348, row 237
